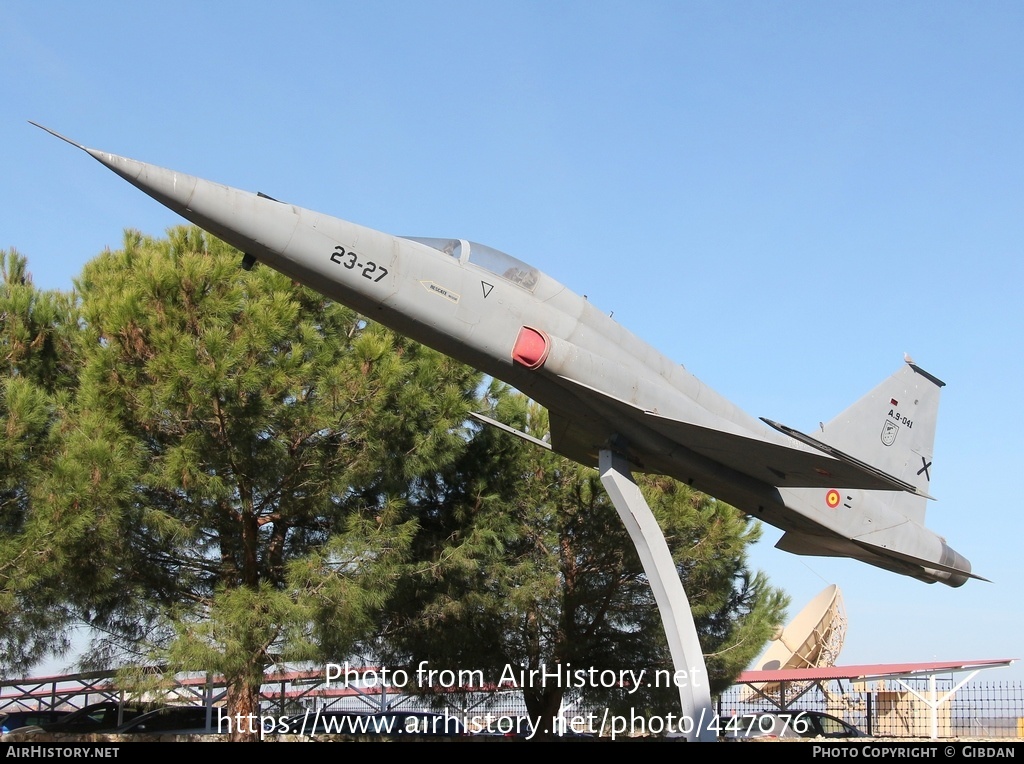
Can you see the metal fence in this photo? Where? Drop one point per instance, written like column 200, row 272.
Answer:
column 903, row 708
column 890, row 708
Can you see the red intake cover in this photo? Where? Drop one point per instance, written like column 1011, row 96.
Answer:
column 531, row 348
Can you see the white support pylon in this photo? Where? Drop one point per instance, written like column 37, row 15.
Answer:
column 687, row 657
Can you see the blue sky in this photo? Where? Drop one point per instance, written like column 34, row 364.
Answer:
column 784, row 197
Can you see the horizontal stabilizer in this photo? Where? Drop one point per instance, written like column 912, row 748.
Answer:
column 882, row 556
column 885, row 552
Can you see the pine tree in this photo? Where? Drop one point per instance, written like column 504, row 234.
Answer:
column 240, row 451
column 525, row 564
column 218, row 469
column 37, row 375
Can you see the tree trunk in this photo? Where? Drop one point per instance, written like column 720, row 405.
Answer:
column 243, row 706
column 544, row 704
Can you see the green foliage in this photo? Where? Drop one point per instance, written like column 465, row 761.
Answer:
column 237, row 459
column 36, row 378
column 217, row 469
column 525, row 563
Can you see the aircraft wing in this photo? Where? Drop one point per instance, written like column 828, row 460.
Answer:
column 763, row 460
column 842, row 456
column 774, row 464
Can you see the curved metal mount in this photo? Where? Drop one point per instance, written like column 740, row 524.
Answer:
column 673, row 604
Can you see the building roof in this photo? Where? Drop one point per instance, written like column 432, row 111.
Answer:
column 869, row 671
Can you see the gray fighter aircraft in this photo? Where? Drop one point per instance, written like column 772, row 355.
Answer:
column 857, row 487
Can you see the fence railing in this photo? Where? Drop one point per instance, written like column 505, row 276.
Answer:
column 890, row 708
column 904, row 708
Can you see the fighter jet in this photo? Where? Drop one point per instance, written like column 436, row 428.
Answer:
column 855, row 487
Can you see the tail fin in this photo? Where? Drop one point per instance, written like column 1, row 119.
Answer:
column 892, row 428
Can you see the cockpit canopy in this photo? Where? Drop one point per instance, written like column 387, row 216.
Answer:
column 488, row 258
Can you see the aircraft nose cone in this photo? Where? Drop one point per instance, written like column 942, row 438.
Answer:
column 166, row 186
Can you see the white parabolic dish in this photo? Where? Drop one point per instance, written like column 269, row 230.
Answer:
column 811, row 640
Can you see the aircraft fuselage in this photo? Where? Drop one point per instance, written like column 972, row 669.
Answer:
column 603, row 386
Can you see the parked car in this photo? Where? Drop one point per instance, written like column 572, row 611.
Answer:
column 528, row 728
column 380, row 723
column 787, row 724
column 420, row 723
column 172, row 720
column 17, row 719
column 504, row 726
column 96, row 717
column 328, row 722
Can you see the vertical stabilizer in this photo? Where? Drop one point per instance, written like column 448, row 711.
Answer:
column 892, row 428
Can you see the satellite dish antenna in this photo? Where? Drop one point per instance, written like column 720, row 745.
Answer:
column 811, row 640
